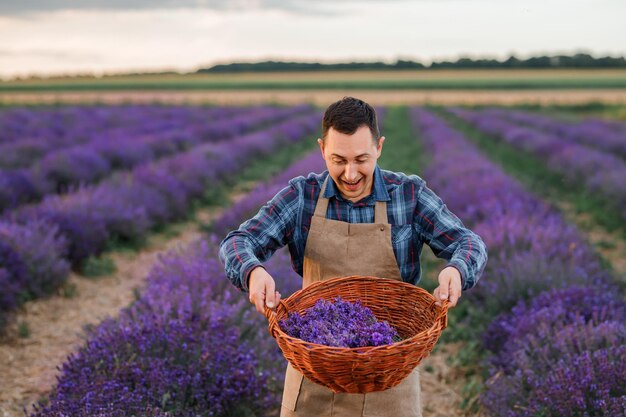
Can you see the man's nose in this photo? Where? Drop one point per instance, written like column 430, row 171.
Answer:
column 351, row 172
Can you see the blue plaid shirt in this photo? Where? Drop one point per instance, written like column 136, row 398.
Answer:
column 416, row 214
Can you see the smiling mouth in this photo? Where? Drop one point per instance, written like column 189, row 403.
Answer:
column 352, row 185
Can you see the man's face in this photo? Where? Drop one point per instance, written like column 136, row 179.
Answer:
column 351, row 160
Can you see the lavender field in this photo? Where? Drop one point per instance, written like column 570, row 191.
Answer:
column 123, row 205
column 551, row 319
column 543, row 333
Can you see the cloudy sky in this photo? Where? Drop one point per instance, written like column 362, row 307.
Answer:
column 104, row 36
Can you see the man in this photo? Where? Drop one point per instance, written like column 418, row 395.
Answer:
column 354, row 219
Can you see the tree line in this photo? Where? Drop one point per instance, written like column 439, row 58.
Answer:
column 557, row 61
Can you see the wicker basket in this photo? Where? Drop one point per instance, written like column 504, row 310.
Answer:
column 411, row 310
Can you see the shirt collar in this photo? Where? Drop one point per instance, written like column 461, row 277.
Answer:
column 380, row 190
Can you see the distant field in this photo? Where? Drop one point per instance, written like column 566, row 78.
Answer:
column 323, row 97
column 363, row 80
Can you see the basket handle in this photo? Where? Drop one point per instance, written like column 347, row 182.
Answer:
column 269, row 311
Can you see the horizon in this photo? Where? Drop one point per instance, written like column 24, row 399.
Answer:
column 193, row 71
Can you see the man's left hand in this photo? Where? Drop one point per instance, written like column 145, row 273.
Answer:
column 449, row 286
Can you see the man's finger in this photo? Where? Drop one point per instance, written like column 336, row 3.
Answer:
column 444, row 287
column 259, row 301
column 443, row 292
column 270, row 290
column 277, row 298
column 437, row 299
column 454, row 298
column 455, row 293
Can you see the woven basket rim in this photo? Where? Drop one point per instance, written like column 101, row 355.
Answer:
column 364, row 349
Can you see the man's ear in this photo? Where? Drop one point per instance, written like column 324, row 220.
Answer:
column 379, row 148
column 321, row 143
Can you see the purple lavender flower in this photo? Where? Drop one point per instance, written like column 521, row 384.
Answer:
column 85, row 232
column 588, row 383
column 64, row 148
column 185, row 347
column 558, row 317
column 60, row 170
column 16, row 188
column 21, row 154
column 555, row 308
column 33, row 253
column 184, row 366
column 608, row 136
column 339, row 323
column 598, row 170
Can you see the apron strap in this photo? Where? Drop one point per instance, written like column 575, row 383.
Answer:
column 322, row 203
column 380, row 213
column 321, row 207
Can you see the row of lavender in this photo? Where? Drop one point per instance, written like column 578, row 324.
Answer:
column 552, row 318
column 604, row 135
column 598, row 171
column 65, row 125
column 192, row 345
column 151, row 133
column 39, row 243
column 28, row 134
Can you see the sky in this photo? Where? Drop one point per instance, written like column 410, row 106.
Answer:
column 52, row 37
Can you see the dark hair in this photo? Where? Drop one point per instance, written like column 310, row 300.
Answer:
column 349, row 114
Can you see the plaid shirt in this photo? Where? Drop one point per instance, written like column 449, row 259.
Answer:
column 416, row 214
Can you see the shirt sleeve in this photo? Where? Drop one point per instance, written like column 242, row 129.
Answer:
column 449, row 238
column 258, row 238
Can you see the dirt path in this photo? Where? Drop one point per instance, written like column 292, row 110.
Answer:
column 441, row 388
column 323, row 97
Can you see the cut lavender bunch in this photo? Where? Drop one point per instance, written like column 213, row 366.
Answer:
column 340, row 323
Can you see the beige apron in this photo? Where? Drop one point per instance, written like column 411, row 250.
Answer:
column 333, row 249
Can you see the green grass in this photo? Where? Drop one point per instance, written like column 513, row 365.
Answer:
column 579, row 111
column 536, row 176
column 467, row 80
column 170, row 230
column 130, row 246
column 401, row 150
column 23, row 331
column 68, row 290
column 99, row 266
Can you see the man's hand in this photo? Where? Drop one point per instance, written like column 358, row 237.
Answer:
column 449, row 286
column 262, row 290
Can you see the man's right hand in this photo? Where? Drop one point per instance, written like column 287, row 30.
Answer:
column 262, row 290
